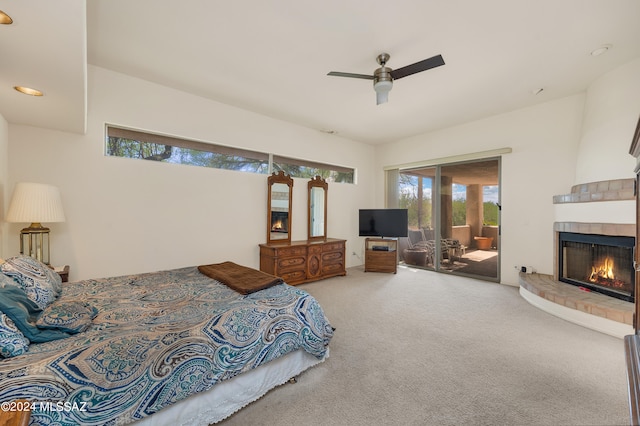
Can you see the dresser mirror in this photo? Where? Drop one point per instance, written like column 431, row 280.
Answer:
column 280, row 188
column 317, row 208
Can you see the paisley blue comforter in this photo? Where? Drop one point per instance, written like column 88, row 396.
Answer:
column 158, row 338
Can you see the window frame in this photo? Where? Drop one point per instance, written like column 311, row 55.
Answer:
column 272, row 161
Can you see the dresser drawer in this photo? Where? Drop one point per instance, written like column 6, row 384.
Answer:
column 291, row 251
column 291, row 263
column 333, row 268
column 333, row 247
column 332, row 257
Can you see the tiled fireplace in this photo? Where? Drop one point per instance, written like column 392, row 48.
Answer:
column 593, row 279
column 596, row 256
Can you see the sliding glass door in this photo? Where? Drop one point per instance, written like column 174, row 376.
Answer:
column 416, row 192
column 453, row 217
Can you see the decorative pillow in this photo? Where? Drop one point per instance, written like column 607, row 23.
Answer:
column 8, row 281
column 24, row 313
column 12, row 342
column 41, row 283
column 69, row 316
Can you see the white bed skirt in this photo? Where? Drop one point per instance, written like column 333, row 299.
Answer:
column 227, row 397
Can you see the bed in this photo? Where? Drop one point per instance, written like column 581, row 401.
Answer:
column 163, row 348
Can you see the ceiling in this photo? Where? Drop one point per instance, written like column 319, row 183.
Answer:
column 273, row 57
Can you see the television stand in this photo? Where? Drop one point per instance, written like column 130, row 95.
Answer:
column 381, row 255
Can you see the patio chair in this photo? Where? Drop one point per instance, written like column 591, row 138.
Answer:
column 416, row 238
column 453, row 248
column 418, row 252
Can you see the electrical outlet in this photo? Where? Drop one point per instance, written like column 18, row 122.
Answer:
column 526, row 269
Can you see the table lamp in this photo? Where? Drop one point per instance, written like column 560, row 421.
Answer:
column 35, row 203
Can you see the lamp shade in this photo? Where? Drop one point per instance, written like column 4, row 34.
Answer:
column 35, row 203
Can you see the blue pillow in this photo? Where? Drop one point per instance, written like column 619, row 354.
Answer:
column 6, row 280
column 24, row 313
column 41, row 283
column 12, row 341
column 69, row 316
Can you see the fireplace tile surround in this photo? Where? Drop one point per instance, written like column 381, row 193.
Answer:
column 587, row 308
column 607, row 190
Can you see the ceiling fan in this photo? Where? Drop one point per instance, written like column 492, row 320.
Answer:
column 383, row 77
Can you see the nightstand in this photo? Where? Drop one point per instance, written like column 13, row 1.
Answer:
column 63, row 271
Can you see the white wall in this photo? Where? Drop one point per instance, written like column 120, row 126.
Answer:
column 127, row 216
column 4, row 179
column 544, row 139
column 612, row 109
column 611, row 113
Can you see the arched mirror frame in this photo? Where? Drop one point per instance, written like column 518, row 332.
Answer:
column 279, row 178
column 313, row 210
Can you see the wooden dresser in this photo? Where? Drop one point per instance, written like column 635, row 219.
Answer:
column 300, row 262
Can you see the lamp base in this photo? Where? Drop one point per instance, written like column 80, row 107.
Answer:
column 34, row 242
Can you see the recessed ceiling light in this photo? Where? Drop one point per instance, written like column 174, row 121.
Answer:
column 5, row 19
column 601, row 50
column 28, row 91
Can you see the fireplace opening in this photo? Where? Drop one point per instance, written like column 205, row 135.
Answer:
column 600, row 263
column 279, row 221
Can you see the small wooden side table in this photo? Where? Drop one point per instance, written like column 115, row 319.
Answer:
column 63, row 271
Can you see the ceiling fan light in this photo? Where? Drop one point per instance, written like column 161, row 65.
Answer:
column 382, row 89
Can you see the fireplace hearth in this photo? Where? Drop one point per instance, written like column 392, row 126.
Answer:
column 600, row 263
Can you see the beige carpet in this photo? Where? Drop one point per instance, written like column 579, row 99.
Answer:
column 423, row 348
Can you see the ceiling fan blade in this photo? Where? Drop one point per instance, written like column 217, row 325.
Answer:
column 424, row 65
column 351, row 75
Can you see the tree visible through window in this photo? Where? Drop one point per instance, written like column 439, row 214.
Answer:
column 415, row 196
column 129, row 143
column 147, row 146
column 307, row 169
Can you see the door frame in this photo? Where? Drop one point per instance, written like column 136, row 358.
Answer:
column 436, row 201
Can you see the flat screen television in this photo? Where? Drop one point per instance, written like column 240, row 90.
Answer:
column 390, row 223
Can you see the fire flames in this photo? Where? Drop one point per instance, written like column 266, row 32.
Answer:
column 277, row 226
column 602, row 271
column 603, row 275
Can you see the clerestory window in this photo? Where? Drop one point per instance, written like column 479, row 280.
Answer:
column 128, row 143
